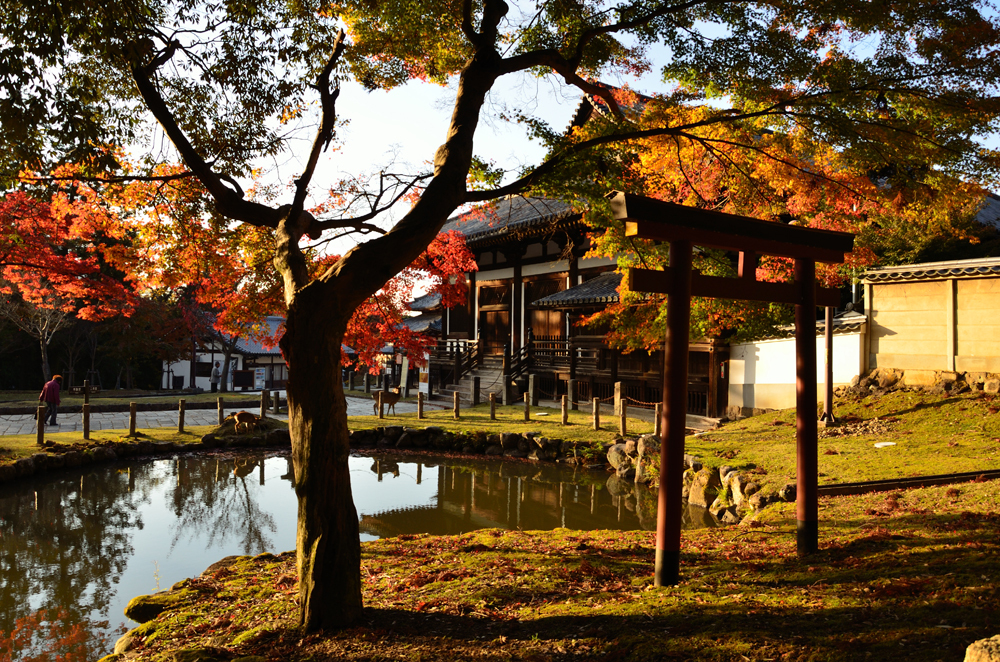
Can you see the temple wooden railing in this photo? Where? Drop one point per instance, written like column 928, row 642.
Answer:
column 454, row 358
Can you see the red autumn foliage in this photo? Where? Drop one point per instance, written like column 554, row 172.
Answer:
column 47, row 255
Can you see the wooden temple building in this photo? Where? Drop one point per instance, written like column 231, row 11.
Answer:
column 533, row 287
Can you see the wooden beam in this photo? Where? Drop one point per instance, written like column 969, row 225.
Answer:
column 654, row 219
column 659, row 282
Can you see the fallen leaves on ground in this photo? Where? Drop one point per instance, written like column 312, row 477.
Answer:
column 911, row 572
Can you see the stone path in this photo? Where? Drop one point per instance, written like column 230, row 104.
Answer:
column 25, row 423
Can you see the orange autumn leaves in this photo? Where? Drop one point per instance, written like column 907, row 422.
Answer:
column 771, row 171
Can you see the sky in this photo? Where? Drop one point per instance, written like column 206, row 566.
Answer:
column 401, row 129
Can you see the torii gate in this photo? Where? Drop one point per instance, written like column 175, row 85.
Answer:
column 685, row 227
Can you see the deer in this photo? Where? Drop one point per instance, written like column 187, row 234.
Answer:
column 389, row 399
column 244, row 418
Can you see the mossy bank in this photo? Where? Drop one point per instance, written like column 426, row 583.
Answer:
column 910, row 575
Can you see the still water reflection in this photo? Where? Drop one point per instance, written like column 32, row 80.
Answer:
column 91, row 539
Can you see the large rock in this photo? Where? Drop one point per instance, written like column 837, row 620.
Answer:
column 704, row 487
column 648, row 444
column 887, row 378
column 618, row 458
column 647, row 463
column 692, row 462
column 984, row 650
column 24, row 467
column 739, row 487
column 147, row 607
column 509, row 441
column 787, row 493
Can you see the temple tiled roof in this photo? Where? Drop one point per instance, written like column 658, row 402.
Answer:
column 430, row 301
column 979, row 267
column 252, row 347
column 424, row 323
column 846, row 322
column 510, row 216
column 990, row 213
column 600, row 290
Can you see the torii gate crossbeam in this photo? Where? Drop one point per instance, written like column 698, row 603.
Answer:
column 684, row 228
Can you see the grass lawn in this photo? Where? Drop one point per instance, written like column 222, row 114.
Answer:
column 910, row 575
column 933, row 435
column 545, row 420
column 17, row 446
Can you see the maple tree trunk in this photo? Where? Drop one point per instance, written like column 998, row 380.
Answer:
column 328, row 546
column 46, row 370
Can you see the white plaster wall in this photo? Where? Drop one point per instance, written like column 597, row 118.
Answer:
column 762, row 373
column 183, row 368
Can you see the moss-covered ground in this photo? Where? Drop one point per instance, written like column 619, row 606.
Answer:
column 910, row 575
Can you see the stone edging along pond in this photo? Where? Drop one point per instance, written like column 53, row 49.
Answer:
column 726, row 492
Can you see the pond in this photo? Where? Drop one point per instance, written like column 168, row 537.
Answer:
column 86, row 541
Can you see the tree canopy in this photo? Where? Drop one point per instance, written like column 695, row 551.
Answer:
column 235, row 85
column 785, row 176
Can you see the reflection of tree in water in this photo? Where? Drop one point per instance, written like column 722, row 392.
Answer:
column 218, row 497
column 66, row 538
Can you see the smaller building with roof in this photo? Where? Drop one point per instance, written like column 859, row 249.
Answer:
column 934, row 317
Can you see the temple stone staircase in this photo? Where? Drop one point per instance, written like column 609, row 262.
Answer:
column 489, row 380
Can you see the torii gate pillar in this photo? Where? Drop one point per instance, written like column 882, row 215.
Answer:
column 806, row 440
column 673, row 418
column 684, row 227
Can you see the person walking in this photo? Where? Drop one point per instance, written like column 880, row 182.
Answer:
column 216, row 377
column 50, row 396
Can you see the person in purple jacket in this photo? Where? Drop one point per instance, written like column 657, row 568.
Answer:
column 50, row 396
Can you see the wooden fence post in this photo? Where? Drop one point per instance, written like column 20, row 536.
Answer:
column 623, row 422
column 276, row 402
column 457, row 405
column 618, row 397
column 527, row 406
column 180, row 416
column 533, row 390
column 40, row 427
column 597, row 413
column 131, row 419
column 420, row 404
column 86, row 409
column 222, row 415
column 565, row 410
column 263, row 403
column 657, row 423
column 493, row 406
column 378, row 400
